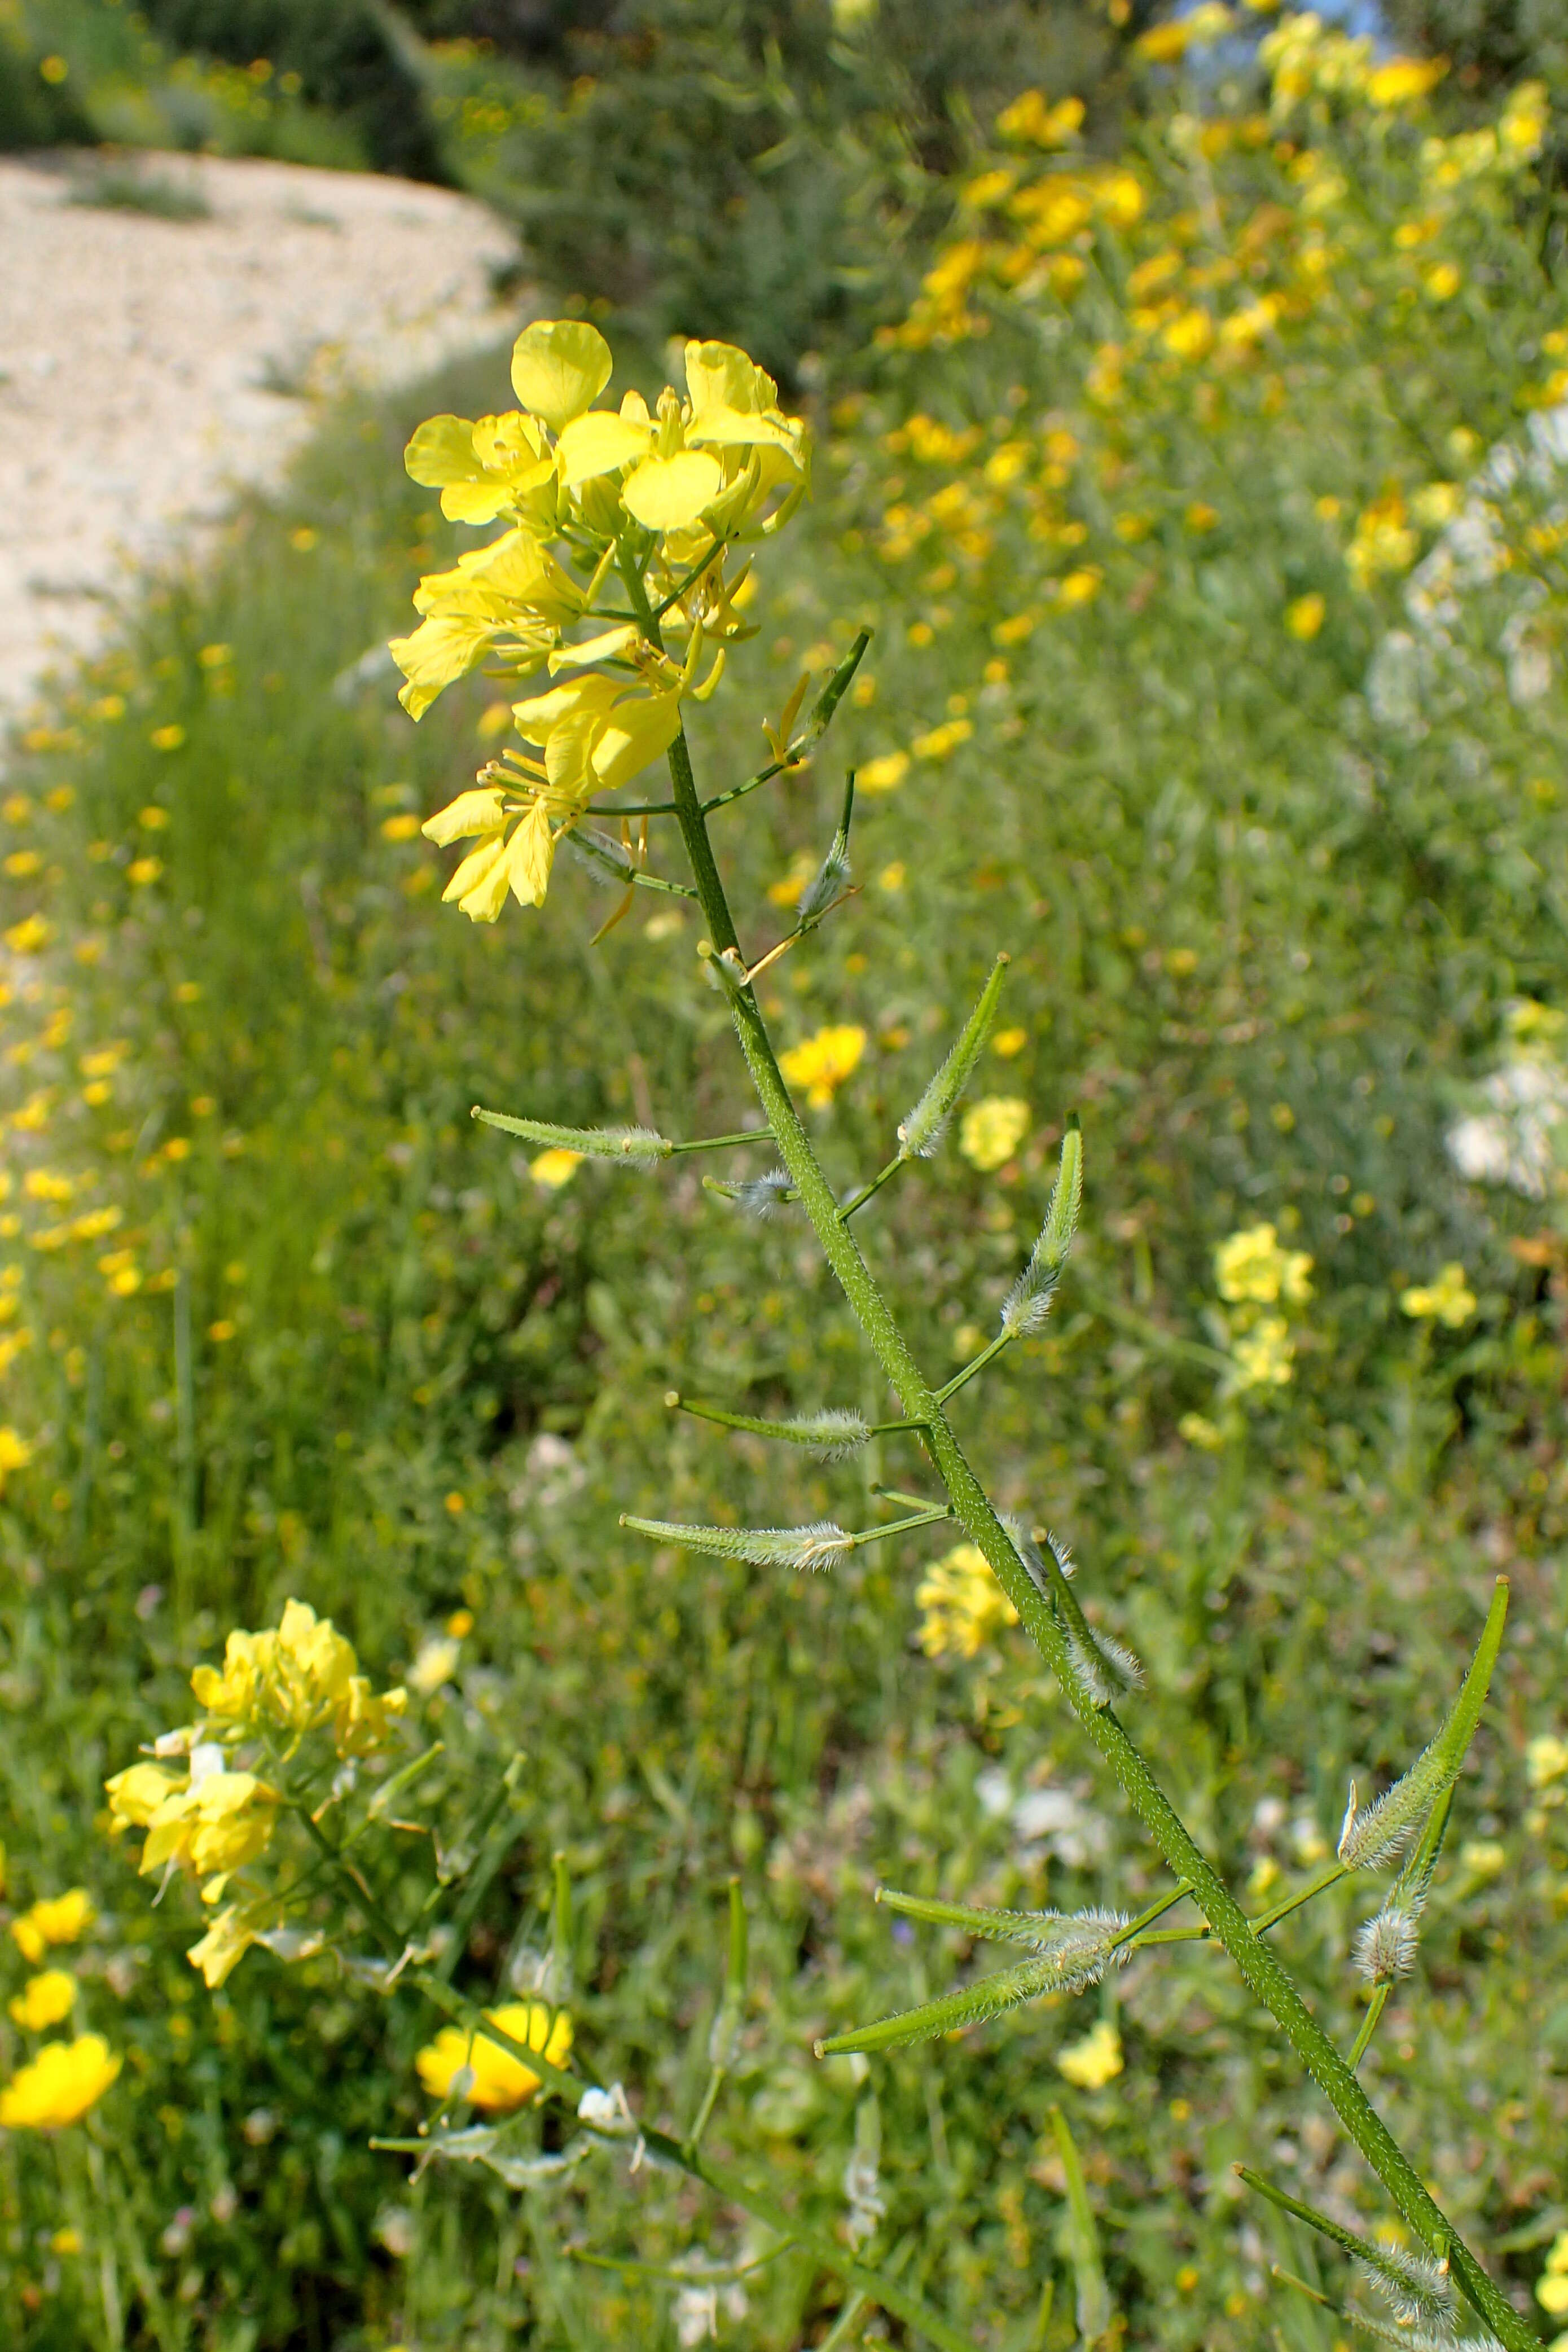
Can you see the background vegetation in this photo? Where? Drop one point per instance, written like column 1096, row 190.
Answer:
column 1218, row 675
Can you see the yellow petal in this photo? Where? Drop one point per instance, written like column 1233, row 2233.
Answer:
column 542, row 712
column 475, row 812
column 666, row 492
column 600, row 443
column 478, row 502
column 479, row 884
column 607, row 646
column 636, row 731
column 568, row 751
column 558, row 366
column 719, row 376
column 441, row 451
column 735, row 428
column 439, row 652
column 529, row 855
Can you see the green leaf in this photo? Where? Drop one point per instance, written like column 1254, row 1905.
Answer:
column 1088, row 2275
column 922, row 1130
column 1377, row 1832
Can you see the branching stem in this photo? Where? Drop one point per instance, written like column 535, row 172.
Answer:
column 1265, row 1976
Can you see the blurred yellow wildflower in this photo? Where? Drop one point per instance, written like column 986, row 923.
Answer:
column 823, row 1063
column 1383, row 540
column 15, row 1454
column 1199, row 1430
column 1009, row 1042
column 1551, row 2287
column 1483, row 1857
column 885, row 775
column 500, row 2079
column 1264, row 1355
column 555, row 1168
column 962, row 1604
column 1546, row 1760
column 1304, row 617
column 44, row 2000
column 1032, row 117
column 56, row 1919
column 1449, row 1300
column 1400, row 81
column 1095, row 2061
column 992, row 1129
column 1250, row 1265
column 63, row 2082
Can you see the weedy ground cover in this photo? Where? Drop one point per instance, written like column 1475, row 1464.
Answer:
column 1215, row 675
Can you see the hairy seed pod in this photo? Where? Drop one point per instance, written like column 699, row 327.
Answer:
column 922, row 1130
column 1385, row 1945
column 629, row 1146
column 1417, row 2290
column 821, row 1545
column 1027, row 1302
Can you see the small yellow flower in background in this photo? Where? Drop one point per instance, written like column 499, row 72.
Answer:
column 1442, row 281
column 65, row 2242
column 1264, row 1355
column 1094, row 2062
column 1305, row 616
column 44, row 2000
column 15, row 1454
column 882, row 775
column 1199, row 1430
column 142, row 870
column 962, row 1604
column 555, row 1168
column 1449, row 1300
column 1402, row 80
column 992, row 1129
column 1483, row 1858
column 1551, row 2288
column 1250, row 1265
column 303, row 540
column 1546, row 1760
column 405, row 825
column 1009, row 1042
column 63, row 2082
column 1384, row 541
column 941, row 742
column 893, row 877
column 1079, row 587
column 167, row 739
column 435, row 1664
column 1435, row 503
column 823, row 1063
column 56, row 1919
column 501, row 2081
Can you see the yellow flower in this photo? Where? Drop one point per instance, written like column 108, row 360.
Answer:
column 1009, row 1043
column 962, row 1604
column 1250, row 1265
column 992, row 1130
column 885, row 775
column 501, row 2080
column 1199, row 1430
column 823, row 1063
column 167, row 739
column 216, row 1824
column 1080, row 587
column 1551, row 2288
column 302, row 1675
column 1094, row 2062
column 44, row 2000
column 58, row 1919
column 1483, row 1857
column 63, row 2082
column 1400, row 81
column 15, row 1454
column 1383, row 540
column 1264, row 1355
column 1449, row 1300
column 555, row 1168
column 1546, row 1760
column 1304, row 617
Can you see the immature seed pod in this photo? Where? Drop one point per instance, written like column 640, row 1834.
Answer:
column 821, row 1545
column 1027, row 1302
column 1385, row 1944
column 631, row 1146
column 922, row 1130
column 1417, row 2290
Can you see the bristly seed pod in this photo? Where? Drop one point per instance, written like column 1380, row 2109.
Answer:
column 755, row 1196
column 630, row 1146
column 820, row 1546
column 832, row 1436
column 922, row 1130
column 1385, row 1945
column 830, row 876
column 1027, row 1302
column 1072, row 1953
column 1377, row 1832
column 1102, row 1666
column 1417, row 2290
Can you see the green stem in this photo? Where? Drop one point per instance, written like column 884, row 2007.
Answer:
column 1260, row 1967
column 1368, row 2025
column 868, row 1191
column 976, row 1364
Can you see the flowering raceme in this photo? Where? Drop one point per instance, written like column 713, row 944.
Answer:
column 644, row 504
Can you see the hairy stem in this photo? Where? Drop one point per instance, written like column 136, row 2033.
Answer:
column 1265, row 1976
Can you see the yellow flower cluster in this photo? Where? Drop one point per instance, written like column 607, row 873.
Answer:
column 643, row 505
column 1095, row 2061
column 1551, row 2287
column 1253, row 1273
column 61, row 2085
column 274, row 1687
column 1449, row 1300
column 500, row 2079
column 962, row 1605
column 992, row 1130
column 55, row 1919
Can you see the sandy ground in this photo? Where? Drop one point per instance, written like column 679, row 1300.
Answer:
column 148, row 366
